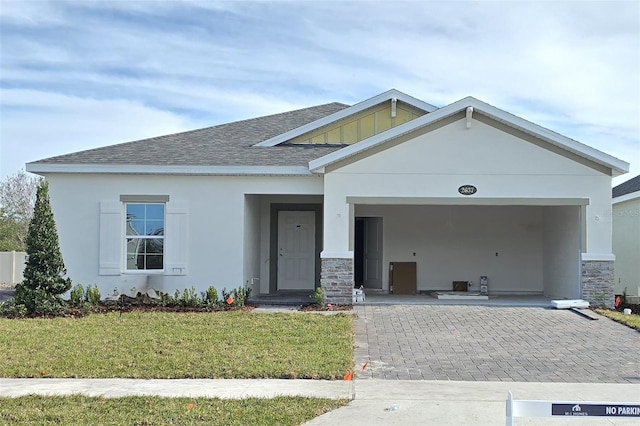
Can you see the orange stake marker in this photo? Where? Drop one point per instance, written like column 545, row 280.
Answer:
column 349, row 375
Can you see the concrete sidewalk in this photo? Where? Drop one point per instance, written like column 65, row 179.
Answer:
column 386, row 402
column 425, row 402
column 193, row 388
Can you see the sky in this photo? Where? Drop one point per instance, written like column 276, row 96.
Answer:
column 76, row 75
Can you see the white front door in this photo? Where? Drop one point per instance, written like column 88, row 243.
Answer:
column 296, row 250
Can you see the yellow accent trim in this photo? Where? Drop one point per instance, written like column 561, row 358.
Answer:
column 361, row 126
column 333, row 135
column 367, row 126
column 385, row 121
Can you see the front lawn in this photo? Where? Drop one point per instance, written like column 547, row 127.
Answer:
column 632, row 320
column 179, row 345
column 82, row 410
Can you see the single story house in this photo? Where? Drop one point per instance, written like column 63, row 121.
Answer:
column 626, row 236
column 334, row 195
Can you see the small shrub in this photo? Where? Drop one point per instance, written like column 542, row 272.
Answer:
column 165, row 299
column 92, row 295
column 318, row 297
column 190, row 298
column 226, row 294
column 10, row 309
column 241, row 295
column 76, row 297
column 40, row 302
column 600, row 299
column 211, row 298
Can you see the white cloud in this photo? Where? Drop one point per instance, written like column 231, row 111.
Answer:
column 43, row 124
column 30, row 13
column 573, row 67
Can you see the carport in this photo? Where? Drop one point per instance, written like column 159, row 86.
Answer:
column 524, row 247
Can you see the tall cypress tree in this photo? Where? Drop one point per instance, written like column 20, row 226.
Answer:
column 44, row 272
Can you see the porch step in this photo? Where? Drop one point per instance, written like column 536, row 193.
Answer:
column 459, row 295
column 567, row 304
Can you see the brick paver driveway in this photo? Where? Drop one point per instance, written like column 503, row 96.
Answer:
column 486, row 343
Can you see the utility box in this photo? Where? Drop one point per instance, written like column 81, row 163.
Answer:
column 358, row 294
column 460, row 285
column 484, row 285
column 403, row 277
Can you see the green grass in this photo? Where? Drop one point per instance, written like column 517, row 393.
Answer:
column 82, row 410
column 632, row 320
column 179, row 345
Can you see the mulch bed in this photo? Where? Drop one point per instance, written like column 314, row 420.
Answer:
column 150, row 307
column 312, row 307
column 128, row 308
column 635, row 309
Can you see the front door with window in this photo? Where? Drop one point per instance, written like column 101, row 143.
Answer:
column 296, row 250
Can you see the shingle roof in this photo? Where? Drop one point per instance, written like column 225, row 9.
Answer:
column 224, row 145
column 632, row 185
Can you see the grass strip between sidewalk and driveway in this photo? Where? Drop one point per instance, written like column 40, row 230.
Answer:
column 139, row 410
column 179, row 345
column 632, row 320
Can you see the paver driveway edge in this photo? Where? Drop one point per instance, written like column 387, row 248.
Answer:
column 492, row 343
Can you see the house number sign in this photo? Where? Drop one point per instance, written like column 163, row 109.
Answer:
column 467, row 190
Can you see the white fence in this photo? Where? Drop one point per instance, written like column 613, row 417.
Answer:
column 11, row 266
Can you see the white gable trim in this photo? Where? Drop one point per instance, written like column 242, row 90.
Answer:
column 169, row 170
column 393, row 93
column 617, row 166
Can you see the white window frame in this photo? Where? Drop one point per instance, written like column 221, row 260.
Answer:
column 112, row 244
column 126, row 236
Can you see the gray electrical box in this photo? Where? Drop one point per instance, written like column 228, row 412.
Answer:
column 484, row 285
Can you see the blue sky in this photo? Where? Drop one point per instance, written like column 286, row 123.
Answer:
column 81, row 74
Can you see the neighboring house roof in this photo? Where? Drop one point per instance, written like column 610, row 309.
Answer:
column 628, row 187
column 259, row 145
column 227, row 148
column 618, row 166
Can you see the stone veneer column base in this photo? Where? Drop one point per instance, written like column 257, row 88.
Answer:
column 598, row 282
column 336, row 280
